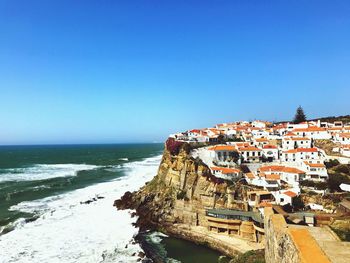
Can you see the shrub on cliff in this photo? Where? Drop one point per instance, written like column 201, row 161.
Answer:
column 342, row 168
column 181, row 195
column 335, row 180
column 315, row 184
column 173, row 146
column 331, row 163
column 252, row 256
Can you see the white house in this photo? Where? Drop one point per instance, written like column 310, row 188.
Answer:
column 270, row 152
column 226, row 173
column 267, row 181
column 300, row 154
column 284, row 197
column 315, row 170
column 259, row 124
column 197, row 135
column 292, row 126
column 289, row 143
column 290, row 175
column 250, row 153
column 259, row 142
column 224, row 154
column 258, row 132
column 280, row 129
column 345, row 150
column 312, row 132
column 343, row 138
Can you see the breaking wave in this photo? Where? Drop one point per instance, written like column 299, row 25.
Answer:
column 81, row 225
column 43, row 171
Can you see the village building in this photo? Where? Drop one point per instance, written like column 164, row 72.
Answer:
column 345, row 150
column 284, row 197
column 269, row 182
column 250, row 154
column 315, row 170
column 260, row 142
column 259, row 124
column 290, row 175
column 343, row 138
column 226, row 173
column 293, row 126
column 257, row 199
column 224, row 155
column 258, row 132
column 289, row 143
column 300, row 154
column 312, row 132
column 270, row 152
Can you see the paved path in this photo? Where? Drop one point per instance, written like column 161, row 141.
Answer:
column 336, row 251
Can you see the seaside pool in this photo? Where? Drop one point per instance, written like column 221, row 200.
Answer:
column 175, row 250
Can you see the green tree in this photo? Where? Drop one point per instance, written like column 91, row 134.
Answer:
column 299, row 116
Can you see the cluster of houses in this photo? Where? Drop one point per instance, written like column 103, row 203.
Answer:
column 278, row 156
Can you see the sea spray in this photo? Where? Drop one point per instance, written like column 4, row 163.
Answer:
column 68, row 230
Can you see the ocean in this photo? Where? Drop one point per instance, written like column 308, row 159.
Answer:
column 56, row 203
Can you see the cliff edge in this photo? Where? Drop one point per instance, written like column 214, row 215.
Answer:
column 175, row 200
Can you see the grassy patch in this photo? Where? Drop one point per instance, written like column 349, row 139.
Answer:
column 252, row 256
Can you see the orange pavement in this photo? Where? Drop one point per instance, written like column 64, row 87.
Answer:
column 310, row 252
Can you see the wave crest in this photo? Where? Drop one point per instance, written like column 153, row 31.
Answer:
column 43, row 171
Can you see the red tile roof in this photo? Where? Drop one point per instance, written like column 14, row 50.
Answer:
column 290, row 194
column 222, row 148
column 320, row 165
column 225, row 170
column 269, row 146
column 249, row 149
column 309, row 129
column 250, row 175
column 280, row 168
column 309, row 150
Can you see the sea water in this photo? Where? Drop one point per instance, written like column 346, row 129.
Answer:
column 56, row 202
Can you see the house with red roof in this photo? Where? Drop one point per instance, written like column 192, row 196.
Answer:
column 343, row 137
column 270, row 152
column 301, row 154
column 313, row 132
column 315, row 170
column 226, row 173
column 224, row 154
column 292, row 142
column 284, row 197
column 290, row 175
column 345, row 150
column 250, row 154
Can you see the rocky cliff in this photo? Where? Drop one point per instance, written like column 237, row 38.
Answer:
column 179, row 194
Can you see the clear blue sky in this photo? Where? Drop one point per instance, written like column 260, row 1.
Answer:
column 135, row 71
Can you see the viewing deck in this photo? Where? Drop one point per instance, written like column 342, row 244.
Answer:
column 246, row 224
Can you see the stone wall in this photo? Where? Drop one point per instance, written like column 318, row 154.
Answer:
column 279, row 245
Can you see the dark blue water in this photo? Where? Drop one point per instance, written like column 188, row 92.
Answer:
column 33, row 172
column 43, row 218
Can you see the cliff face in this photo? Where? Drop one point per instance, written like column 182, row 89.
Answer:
column 176, row 199
column 179, row 192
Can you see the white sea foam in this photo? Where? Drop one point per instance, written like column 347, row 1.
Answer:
column 69, row 231
column 43, row 171
column 123, row 159
column 157, row 237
